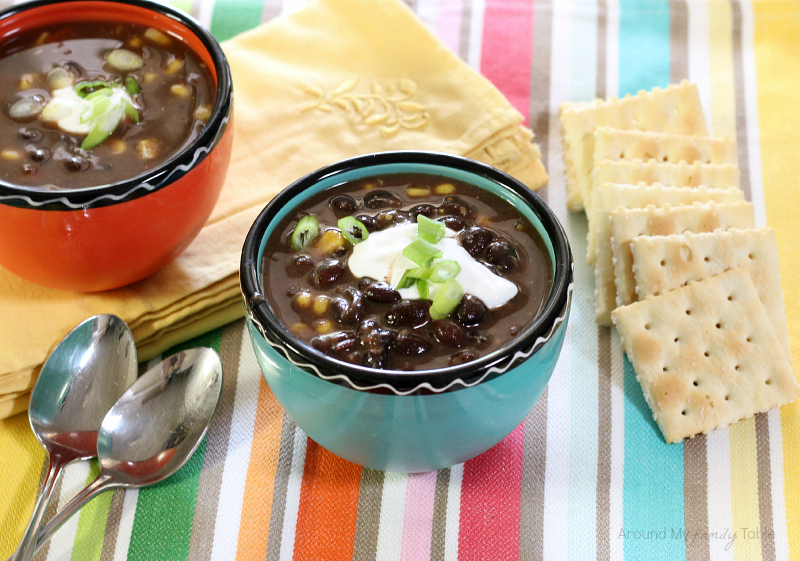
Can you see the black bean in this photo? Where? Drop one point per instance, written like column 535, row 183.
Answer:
column 76, row 164
column 402, row 217
column 375, row 358
column 376, row 291
column 326, row 343
column 500, row 254
column 368, row 221
column 408, row 312
column 478, row 339
column 461, row 358
column 30, row 134
column 455, row 207
column 371, row 334
column 299, row 265
column 470, row 311
column 382, row 199
column 454, row 223
column 410, row 345
column 343, row 205
column 38, row 154
column 449, row 332
column 424, row 210
column 349, row 307
column 326, row 274
column 384, row 219
column 475, row 239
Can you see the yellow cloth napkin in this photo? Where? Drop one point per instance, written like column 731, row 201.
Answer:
column 335, row 79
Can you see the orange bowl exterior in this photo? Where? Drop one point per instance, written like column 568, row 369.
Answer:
column 104, row 245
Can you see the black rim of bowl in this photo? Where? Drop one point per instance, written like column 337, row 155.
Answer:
column 165, row 173
column 485, row 368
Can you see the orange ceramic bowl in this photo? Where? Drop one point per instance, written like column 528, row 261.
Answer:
column 103, row 237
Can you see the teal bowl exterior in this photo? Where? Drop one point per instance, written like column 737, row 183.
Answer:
column 407, row 433
column 420, row 421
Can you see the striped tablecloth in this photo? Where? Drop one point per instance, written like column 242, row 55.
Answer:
column 587, row 475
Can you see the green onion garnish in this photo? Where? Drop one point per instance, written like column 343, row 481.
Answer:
column 444, row 270
column 104, row 126
column 421, row 252
column 429, row 230
column 132, row 86
column 410, row 276
column 131, row 111
column 304, row 232
column 353, row 230
column 83, row 89
column 447, row 298
column 423, row 289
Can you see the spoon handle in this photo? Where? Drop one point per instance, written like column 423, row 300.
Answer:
column 102, row 483
column 27, row 546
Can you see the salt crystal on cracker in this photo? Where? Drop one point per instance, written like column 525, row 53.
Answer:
column 676, row 109
column 627, row 224
column 662, row 263
column 610, row 197
column 706, row 355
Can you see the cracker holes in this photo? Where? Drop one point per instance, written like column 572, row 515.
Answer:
column 696, row 383
column 749, row 339
column 750, row 256
column 768, row 381
column 718, row 325
column 622, row 155
column 683, row 412
column 647, row 326
column 705, row 354
column 677, row 339
column 706, row 259
column 737, row 368
column 730, row 297
column 727, row 398
column 688, row 312
column 665, row 369
column 664, row 159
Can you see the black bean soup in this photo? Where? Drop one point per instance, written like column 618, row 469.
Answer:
column 365, row 321
column 95, row 103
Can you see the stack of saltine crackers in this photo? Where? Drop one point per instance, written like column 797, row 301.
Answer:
column 691, row 285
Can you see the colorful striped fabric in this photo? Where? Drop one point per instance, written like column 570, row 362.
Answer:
column 587, row 475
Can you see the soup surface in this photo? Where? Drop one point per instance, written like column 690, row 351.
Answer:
column 95, row 103
column 351, row 291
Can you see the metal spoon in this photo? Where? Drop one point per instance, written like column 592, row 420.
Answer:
column 80, row 381
column 153, row 429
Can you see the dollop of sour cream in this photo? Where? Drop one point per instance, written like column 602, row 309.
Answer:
column 66, row 107
column 381, row 257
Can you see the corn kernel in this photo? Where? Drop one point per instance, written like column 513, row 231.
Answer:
column 445, row 189
column 299, row 329
column 202, row 113
column 330, row 241
column 416, row 192
column 483, row 221
column 147, row 148
column 135, row 42
column 149, row 77
column 174, row 66
column 320, row 305
column 11, row 155
column 322, row 326
column 119, row 146
column 303, row 299
column 26, row 81
column 42, row 38
column 181, row 90
column 156, row 36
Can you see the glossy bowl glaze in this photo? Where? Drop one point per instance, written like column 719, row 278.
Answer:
column 108, row 236
column 408, row 421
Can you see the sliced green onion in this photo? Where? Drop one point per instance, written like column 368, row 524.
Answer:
column 410, row 276
column 106, row 124
column 131, row 111
column 83, row 89
column 421, row 252
column 132, row 86
column 444, row 270
column 305, row 231
column 105, row 92
column 423, row 289
column 429, row 230
column 100, row 105
column 447, row 298
column 124, row 60
column 353, row 230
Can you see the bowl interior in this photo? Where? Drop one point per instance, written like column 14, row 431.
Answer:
column 396, row 168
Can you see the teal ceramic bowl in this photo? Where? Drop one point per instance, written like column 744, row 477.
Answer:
column 408, row 421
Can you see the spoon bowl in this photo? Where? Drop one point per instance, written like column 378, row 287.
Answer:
column 82, row 378
column 154, row 428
